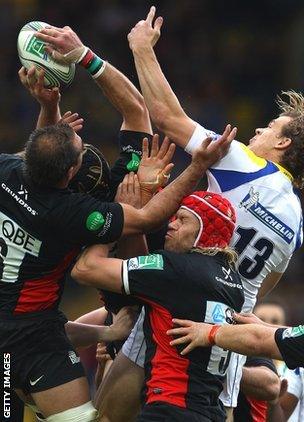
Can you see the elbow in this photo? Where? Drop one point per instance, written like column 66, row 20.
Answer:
column 80, row 275
column 83, row 267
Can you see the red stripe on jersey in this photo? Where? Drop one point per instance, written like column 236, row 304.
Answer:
column 258, row 409
column 41, row 294
column 169, row 378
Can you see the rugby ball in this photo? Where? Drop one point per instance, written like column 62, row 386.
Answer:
column 31, row 52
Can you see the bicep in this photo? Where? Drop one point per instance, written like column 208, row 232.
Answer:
column 269, row 283
column 95, row 270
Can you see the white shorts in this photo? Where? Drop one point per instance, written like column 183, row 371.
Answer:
column 229, row 395
column 135, row 346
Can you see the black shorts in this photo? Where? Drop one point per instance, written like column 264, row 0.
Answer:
column 39, row 353
column 165, row 412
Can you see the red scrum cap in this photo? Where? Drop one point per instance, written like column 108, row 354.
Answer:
column 216, row 216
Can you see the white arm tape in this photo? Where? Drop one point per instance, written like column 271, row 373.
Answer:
column 196, row 139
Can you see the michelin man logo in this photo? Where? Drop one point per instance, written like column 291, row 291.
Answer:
column 251, row 199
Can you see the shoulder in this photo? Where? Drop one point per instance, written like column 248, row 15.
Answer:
column 10, row 160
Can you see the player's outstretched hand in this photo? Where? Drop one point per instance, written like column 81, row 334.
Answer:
column 145, row 32
column 155, row 167
column 193, row 333
column 128, row 192
column 212, row 151
column 122, row 324
column 33, row 81
column 73, row 120
column 62, row 43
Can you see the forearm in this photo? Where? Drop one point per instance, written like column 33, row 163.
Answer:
column 48, row 116
column 163, row 105
column 166, row 202
column 125, row 98
column 84, row 335
column 275, row 413
column 260, row 382
column 250, row 340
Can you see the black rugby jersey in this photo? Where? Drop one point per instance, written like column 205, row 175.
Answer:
column 41, row 231
column 290, row 342
column 187, row 286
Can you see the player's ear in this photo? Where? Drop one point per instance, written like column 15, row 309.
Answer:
column 283, row 143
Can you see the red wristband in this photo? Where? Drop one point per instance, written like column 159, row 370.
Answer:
column 85, row 62
column 212, row 334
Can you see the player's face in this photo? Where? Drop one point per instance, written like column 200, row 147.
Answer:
column 182, row 232
column 271, row 313
column 266, row 138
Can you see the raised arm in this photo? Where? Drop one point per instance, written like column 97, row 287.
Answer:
column 67, row 47
column 48, row 99
column 163, row 105
column 165, row 203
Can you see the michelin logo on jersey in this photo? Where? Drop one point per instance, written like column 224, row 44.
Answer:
column 251, row 204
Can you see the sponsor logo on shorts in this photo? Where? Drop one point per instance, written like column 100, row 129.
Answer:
column 73, row 357
column 293, row 332
column 18, row 199
column 251, row 204
column 149, row 262
column 35, row 381
column 95, row 221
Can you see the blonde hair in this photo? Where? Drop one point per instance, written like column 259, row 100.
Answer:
column 230, row 253
column 293, row 157
column 294, row 107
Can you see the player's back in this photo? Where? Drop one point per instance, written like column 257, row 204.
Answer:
column 41, row 231
column 188, row 286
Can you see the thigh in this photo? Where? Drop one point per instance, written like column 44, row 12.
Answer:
column 124, row 380
column 63, row 397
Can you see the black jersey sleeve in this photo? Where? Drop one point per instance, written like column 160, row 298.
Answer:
column 253, row 361
column 290, row 342
column 85, row 220
column 129, row 156
column 152, row 277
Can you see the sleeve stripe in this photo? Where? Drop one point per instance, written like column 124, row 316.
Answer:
column 125, row 277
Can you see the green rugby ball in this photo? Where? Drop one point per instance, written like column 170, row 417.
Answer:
column 31, row 53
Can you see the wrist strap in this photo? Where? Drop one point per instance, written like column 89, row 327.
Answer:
column 94, row 64
column 212, row 334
